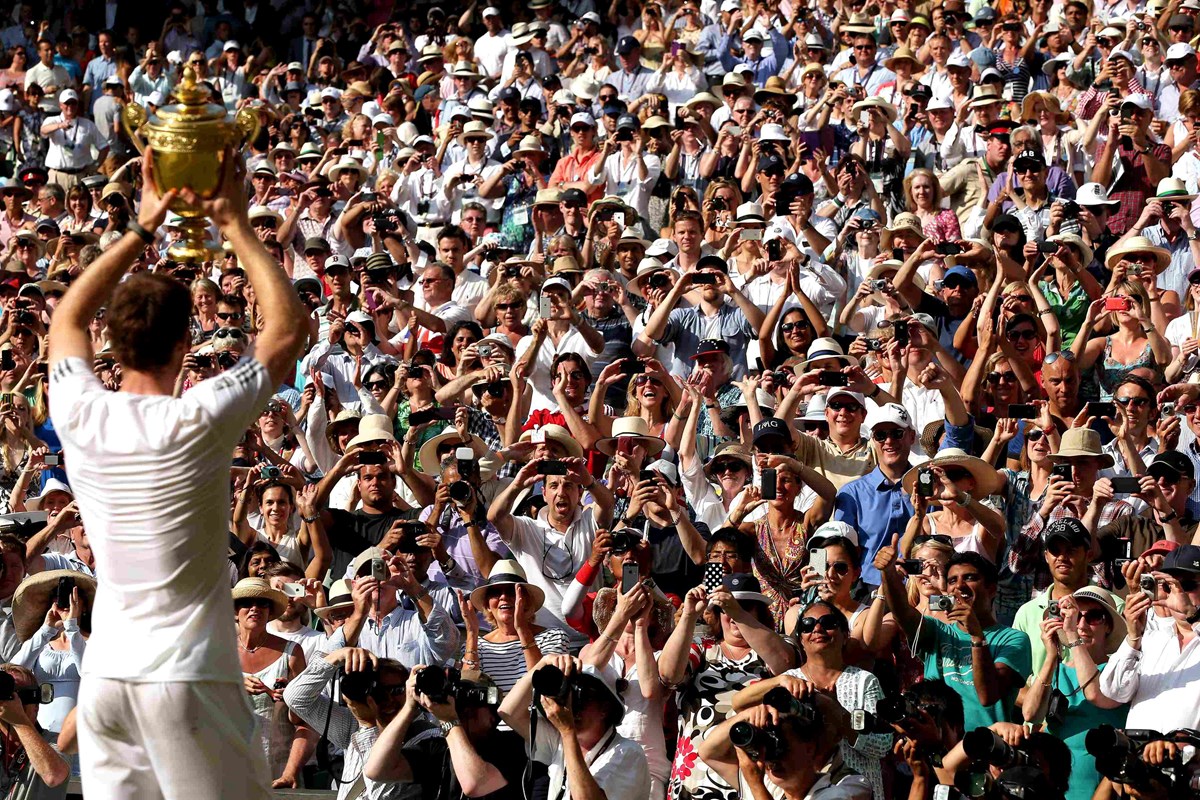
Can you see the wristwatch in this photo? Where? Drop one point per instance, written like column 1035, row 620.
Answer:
column 448, row 726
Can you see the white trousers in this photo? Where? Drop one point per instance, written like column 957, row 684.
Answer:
column 176, row 741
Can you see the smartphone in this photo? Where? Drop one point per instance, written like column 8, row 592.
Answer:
column 819, row 560
column 1022, row 411
column 752, row 235
column 1148, row 586
column 632, row 366
column 293, row 590
column 629, row 577
column 1048, row 248
column 900, row 333
column 770, row 484
column 924, row 483
column 714, row 576
column 6, row 360
column 1126, row 485
column 62, row 595
column 775, row 250
column 1063, row 471
column 947, row 248
column 431, row 414
column 545, row 307
column 371, row 458
column 704, row 279
column 829, row 377
column 619, row 218
column 676, row 47
column 52, row 460
column 1117, row 304
column 1125, row 549
column 1100, row 410
column 897, row 254
column 864, row 119
column 552, row 468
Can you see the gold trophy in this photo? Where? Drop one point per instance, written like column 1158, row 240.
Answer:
column 190, row 140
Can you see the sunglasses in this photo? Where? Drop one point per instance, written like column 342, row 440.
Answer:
column 895, row 434
column 1022, row 336
column 1094, row 617
column 229, row 333
column 230, row 315
column 1020, row 298
column 643, row 379
column 851, row 406
column 1136, row 402
column 1052, row 357
column 377, row 384
column 730, row 465
column 496, row 389
column 509, row 306
column 1034, row 435
column 1028, row 169
column 252, row 602
column 940, row 538
column 827, row 622
column 1002, row 377
column 788, row 327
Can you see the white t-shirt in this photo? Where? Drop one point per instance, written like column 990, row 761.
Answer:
column 151, row 477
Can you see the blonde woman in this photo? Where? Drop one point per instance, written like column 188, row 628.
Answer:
column 923, row 195
column 1060, row 142
column 21, row 452
column 1135, row 346
column 515, row 644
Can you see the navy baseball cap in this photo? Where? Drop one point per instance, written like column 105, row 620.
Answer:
column 710, row 346
column 770, row 163
column 626, row 45
column 1069, row 529
column 1185, row 559
column 1171, row 464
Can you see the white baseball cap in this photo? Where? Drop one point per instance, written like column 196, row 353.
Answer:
column 491, row 11
column 1138, row 100
column 1180, row 51
column 231, row 45
column 1093, row 194
column 582, row 118
column 939, row 104
column 67, row 95
column 889, row 413
column 959, row 59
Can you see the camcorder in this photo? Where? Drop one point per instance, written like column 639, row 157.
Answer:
column 446, row 684
column 767, row 743
column 1118, row 755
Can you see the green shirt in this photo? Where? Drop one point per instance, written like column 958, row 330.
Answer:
column 947, row 654
column 1029, row 621
column 1070, row 310
column 1081, row 717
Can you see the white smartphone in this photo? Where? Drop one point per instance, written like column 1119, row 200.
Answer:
column 545, row 307
column 752, row 235
column 619, row 218
column 864, row 119
column 819, row 561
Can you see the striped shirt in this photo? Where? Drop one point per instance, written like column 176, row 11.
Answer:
column 504, row 663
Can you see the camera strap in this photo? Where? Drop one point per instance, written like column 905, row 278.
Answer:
column 558, row 788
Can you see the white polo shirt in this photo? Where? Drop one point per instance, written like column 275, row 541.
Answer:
column 71, row 147
column 550, row 559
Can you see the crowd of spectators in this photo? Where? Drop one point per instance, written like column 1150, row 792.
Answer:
column 700, row 400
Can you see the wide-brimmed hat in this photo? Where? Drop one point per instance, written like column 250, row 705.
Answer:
column 1049, row 101
column 734, row 450
column 35, row 595
column 15, row 186
column 1074, row 240
column 987, row 480
column 1081, row 443
column 559, row 435
column 429, row 457
column 647, row 267
column 373, row 428
column 824, row 348
column 1138, row 244
column 887, row 108
column 774, row 87
column 474, row 129
column 338, row 599
column 606, row 603
column 1172, row 189
column 346, row 164
column 507, row 572
column 530, row 145
column 745, row 588
column 1101, row 596
column 48, row 485
column 344, row 419
column 985, row 94
column 903, row 53
column 631, row 428
column 258, row 588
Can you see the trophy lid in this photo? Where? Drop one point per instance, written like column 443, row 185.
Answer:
column 194, row 103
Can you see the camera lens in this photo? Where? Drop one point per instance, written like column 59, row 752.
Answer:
column 461, row 492
column 548, row 681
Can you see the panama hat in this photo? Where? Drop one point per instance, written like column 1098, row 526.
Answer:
column 903, row 53
column 1138, row 244
column 429, row 456
column 530, row 145
column 338, row 599
column 344, row 419
column 507, row 572
column 887, row 108
column 634, row 428
column 35, row 595
column 373, row 428
column 1073, row 240
column 823, row 348
column 1081, row 443
column 1049, row 101
column 734, row 450
column 987, row 480
column 258, row 588
column 347, row 164
column 559, row 435
column 774, row 87
column 1172, row 189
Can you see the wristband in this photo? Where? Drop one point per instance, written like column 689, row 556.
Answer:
column 311, row 519
column 586, row 574
column 143, row 234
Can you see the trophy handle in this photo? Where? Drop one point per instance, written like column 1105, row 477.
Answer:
column 246, row 123
column 133, row 117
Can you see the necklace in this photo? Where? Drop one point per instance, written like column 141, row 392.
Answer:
column 249, row 649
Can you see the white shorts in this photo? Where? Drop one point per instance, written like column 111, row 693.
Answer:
column 178, row 741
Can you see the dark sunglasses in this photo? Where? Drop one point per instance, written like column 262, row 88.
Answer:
column 496, row 389
column 727, row 465
column 1034, row 435
column 1136, row 402
column 922, row 539
column 643, row 379
column 1022, row 335
column 229, row 333
column 1094, row 617
column 252, row 602
column 1052, row 357
column 509, row 306
column 828, row 622
column 377, row 385
column 847, row 406
column 895, row 434
column 1002, row 377
column 955, row 282
column 788, row 327
column 230, row 315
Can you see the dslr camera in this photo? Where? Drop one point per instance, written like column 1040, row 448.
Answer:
column 445, row 684
column 357, row 686
column 767, row 743
column 1118, row 755
column 624, row 540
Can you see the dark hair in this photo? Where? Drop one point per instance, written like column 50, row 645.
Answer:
column 447, row 356
column 148, row 318
column 574, row 358
column 284, row 569
column 251, row 552
column 985, row 567
column 1142, row 384
column 1054, row 754
column 948, row 702
column 732, row 536
column 235, row 300
column 454, row 232
column 287, row 488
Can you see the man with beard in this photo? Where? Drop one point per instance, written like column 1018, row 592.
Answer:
column 983, row 661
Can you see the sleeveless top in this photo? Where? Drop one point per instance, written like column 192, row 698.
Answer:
column 779, row 572
column 265, row 708
column 971, row 543
column 643, row 721
column 1110, row 372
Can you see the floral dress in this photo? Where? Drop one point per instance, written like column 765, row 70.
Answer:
column 516, row 227
column 779, row 573
column 943, row 227
column 704, row 703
